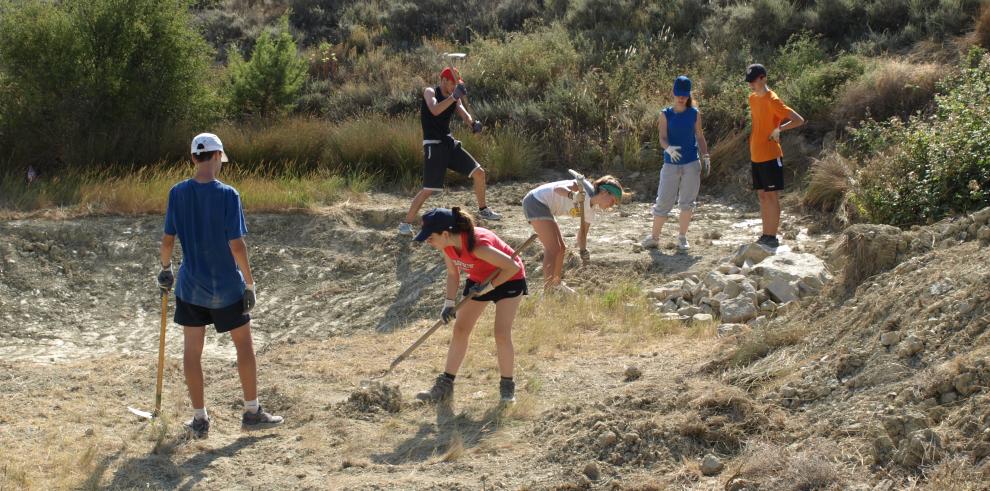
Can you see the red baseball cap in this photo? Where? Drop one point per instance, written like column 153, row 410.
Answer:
column 452, row 75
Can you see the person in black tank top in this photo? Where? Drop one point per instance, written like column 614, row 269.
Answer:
column 441, row 151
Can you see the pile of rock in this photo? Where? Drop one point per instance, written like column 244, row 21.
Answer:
column 746, row 288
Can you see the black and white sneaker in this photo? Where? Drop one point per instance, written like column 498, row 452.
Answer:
column 488, row 214
column 768, row 241
column 198, row 428
column 260, row 419
column 507, row 391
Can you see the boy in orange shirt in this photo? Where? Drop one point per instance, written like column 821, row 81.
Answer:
column 768, row 112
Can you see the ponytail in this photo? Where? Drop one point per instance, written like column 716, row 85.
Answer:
column 690, row 101
column 464, row 224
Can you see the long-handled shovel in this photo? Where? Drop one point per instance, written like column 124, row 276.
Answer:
column 430, row 331
column 161, row 364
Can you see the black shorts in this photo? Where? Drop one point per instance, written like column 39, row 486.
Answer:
column 769, row 175
column 509, row 289
column 223, row 319
column 448, row 154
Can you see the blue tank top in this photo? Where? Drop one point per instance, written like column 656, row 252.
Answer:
column 680, row 133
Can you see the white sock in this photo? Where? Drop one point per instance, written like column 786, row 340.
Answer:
column 251, row 406
column 200, row 413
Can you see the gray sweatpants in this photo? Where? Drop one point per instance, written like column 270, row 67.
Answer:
column 680, row 184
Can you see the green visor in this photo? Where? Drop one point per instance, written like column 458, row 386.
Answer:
column 612, row 189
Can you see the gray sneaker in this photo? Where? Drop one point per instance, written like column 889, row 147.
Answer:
column 442, row 390
column 682, row 243
column 198, row 428
column 507, row 391
column 650, row 243
column 489, row 214
column 405, row 228
column 260, row 419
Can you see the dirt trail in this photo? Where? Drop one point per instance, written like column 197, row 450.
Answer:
column 340, row 295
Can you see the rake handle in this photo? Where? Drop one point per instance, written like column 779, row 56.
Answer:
column 429, row 332
column 161, row 352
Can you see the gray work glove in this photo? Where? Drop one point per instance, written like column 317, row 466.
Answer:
column 706, row 166
column 480, row 289
column 476, row 126
column 459, row 91
column 165, row 278
column 448, row 313
column 249, row 298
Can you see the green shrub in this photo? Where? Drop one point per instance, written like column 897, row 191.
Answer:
column 934, row 166
column 87, row 82
column 522, row 66
column 269, row 83
column 813, row 92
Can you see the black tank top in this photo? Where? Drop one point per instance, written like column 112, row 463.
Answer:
column 436, row 127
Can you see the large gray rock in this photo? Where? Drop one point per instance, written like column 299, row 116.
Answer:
column 789, row 276
column 783, row 291
column 751, row 254
column 714, row 281
column 737, row 310
column 666, row 291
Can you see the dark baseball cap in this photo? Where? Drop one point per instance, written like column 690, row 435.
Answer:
column 434, row 221
column 754, row 72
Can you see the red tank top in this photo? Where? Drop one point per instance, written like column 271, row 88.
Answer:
column 477, row 269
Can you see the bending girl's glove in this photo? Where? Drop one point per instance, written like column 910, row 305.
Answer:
column 673, row 152
column 249, row 298
column 706, row 165
column 459, row 91
column 165, row 278
column 448, row 311
column 775, row 134
column 480, row 289
column 585, row 257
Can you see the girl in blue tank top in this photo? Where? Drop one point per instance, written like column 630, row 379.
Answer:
column 680, row 177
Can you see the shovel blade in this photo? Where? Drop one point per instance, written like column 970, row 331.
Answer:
column 139, row 413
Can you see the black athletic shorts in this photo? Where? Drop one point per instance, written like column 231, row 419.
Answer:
column 769, row 175
column 223, row 319
column 448, row 154
column 509, row 289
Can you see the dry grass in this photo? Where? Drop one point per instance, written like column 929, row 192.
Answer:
column 983, row 26
column 831, row 188
column 146, row 190
column 761, row 342
column 891, row 88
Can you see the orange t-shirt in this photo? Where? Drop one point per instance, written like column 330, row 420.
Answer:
column 768, row 112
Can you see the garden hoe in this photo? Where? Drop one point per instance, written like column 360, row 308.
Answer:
column 161, row 364
column 439, row 323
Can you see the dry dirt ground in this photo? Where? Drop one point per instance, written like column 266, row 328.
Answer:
column 814, row 401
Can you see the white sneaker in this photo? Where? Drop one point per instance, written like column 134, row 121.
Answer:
column 566, row 290
column 682, row 243
column 405, row 228
column 650, row 243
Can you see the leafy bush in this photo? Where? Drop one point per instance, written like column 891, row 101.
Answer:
column 87, row 82
column 936, row 165
column 267, row 84
column 522, row 66
column 813, row 93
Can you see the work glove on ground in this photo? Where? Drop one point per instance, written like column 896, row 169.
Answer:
column 674, row 152
column 448, row 313
column 706, row 166
column 459, row 91
column 480, row 289
column 476, row 126
column 249, row 298
column 165, row 278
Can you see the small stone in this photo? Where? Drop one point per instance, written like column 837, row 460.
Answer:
column 948, row 397
column 701, row 318
column 965, row 383
column 633, row 373
column 788, row 392
column 607, row 439
column 630, row 438
column 890, row 338
column 724, row 330
column 89, row 432
column 591, row 471
column 689, row 311
column 711, row 465
column 910, row 347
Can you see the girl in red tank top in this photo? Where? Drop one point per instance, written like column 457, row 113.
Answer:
column 493, row 275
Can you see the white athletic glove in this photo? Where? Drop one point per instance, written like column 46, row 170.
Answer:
column 775, row 135
column 706, row 165
column 674, row 152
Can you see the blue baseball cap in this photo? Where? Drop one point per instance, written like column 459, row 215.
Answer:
column 682, row 86
column 434, row 221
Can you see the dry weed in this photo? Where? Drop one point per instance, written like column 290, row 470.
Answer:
column 830, row 183
column 892, row 88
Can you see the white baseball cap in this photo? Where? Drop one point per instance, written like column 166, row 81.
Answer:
column 208, row 142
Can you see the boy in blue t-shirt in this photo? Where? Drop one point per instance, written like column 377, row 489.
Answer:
column 215, row 285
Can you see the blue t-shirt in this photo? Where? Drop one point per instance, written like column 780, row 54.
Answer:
column 205, row 217
column 680, row 133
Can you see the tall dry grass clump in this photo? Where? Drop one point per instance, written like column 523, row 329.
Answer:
column 983, row 27
column 831, row 187
column 892, row 88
